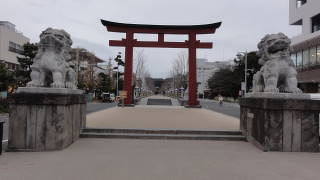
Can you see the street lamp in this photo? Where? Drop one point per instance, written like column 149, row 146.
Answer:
column 245, row 69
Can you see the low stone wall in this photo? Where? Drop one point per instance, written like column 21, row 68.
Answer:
column 45, row 121
column 281, row 124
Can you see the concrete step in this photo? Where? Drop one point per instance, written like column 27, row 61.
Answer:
column 160, row 131
column 162, row 134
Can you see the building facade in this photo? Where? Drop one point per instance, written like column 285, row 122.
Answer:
column 305, row 48
column 205, row 70
column 11, row 44
column 86, row 66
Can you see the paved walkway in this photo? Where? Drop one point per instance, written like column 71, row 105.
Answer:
column 161, row 117
column 116, row 159
column 231, row 109
column 144, row 101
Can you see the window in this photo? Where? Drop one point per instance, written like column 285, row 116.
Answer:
column 313, row 56
column 15, row 48
column 299, row 59
column 318, row 54
column 315, row 23
column 294, row 59
column 305, row 58
column 301, row 3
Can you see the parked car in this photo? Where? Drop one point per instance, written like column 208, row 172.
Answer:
column 108, row 97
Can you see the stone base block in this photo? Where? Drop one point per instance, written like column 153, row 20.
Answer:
column 281, row 124
column 45, row 121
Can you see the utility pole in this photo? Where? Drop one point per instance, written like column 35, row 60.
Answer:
column 202, row 83
column 119, row 61
column 245, row 71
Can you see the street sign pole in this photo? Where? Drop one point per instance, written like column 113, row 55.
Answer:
column 245, row 72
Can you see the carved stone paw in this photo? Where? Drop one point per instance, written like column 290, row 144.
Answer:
column 258, row 88
column 294, row 90
column 57, row 85
column 33, row 84
column 70, row 85
column 271, row 90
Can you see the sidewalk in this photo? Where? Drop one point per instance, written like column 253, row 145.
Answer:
column 162, row 117
column 115, row 159
column 145, row 100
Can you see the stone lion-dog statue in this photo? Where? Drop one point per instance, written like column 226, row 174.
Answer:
column 52, row 66
column 278, row 73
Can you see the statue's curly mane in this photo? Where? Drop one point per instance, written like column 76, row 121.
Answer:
column 264, row 44
column 64, row 54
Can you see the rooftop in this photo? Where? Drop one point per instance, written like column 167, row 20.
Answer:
column 169, row 29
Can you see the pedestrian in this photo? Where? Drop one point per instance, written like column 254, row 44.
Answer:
column 220, row 99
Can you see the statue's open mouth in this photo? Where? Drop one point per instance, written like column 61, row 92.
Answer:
column 278, row 46
column 51, row 42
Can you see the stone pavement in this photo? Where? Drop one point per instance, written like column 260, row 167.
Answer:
column 144, row 101
column 231, row 109
column 162, row 117
column 120, row 159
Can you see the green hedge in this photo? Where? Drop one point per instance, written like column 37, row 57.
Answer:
column 4, row 108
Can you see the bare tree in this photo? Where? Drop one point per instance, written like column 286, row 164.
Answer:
column 139, row 65
column 179, row 70
column 140, row 70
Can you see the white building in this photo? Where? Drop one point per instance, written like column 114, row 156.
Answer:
column 205, row 70
column 11, row 44
column 306, row 46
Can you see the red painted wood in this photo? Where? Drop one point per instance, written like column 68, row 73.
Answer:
column 161, row 31
column 128, row 68
column 192, row 71
column 197, row 44
column 160, row 37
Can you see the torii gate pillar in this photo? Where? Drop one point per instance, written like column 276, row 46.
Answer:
column 128, row 69
column 192, row 102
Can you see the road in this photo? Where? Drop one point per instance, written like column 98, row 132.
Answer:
column 94, row 107
column 230, row 109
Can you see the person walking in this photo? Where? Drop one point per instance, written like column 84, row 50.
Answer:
column 220, row 99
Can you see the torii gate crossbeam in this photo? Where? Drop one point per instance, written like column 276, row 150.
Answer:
column 192, row 44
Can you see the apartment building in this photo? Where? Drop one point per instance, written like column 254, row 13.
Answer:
column 11, row 44
column 305, row 48
column 205, row 69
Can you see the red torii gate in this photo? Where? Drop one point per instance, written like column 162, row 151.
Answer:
column 192, row 44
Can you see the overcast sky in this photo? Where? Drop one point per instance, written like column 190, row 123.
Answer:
column 244, row 23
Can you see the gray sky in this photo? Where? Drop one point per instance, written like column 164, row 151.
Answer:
column 244, row 23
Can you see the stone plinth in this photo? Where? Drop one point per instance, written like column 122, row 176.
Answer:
column 282, row 123
column 45, row 121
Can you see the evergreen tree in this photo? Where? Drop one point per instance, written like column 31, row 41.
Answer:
column 6, row 78
column 23, row 72
column 227, row 82
column 104, row 84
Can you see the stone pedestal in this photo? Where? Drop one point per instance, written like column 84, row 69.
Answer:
column 45, row 120
column 281, row 123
